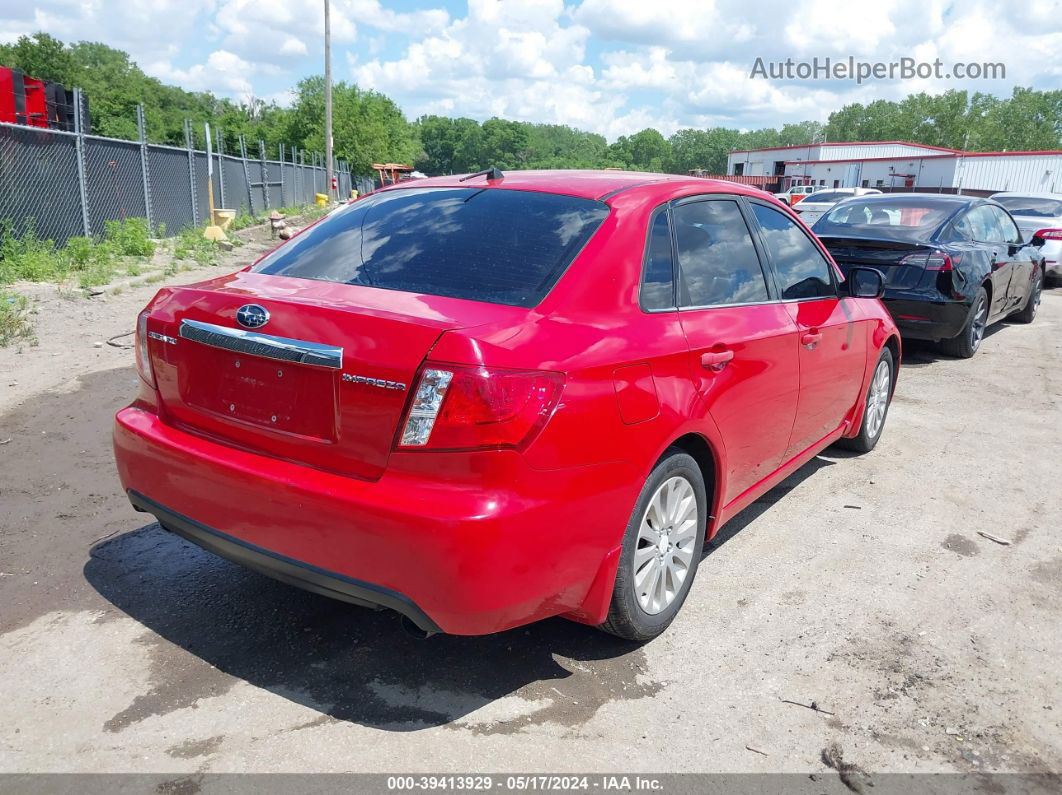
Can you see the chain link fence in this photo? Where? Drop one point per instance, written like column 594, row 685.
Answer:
column 61, row 184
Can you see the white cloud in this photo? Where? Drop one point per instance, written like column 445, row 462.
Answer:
column 613, row 66
column 223, row 72
column 143, row 29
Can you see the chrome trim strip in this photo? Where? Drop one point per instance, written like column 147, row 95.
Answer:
column 253, row 343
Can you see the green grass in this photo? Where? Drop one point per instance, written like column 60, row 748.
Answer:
column 242, row 221
column 190, row 244
column 125, row 247
column 15, row 325
column 27, row 257
column 305, row 212
column 131, row 237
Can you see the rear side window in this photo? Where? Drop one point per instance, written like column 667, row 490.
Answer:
column 802, row 270
column 717, row 259
column 1007, row 229
column 983, row 225
column 483, row 244
column 658, row 286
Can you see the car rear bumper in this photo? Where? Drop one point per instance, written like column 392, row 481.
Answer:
column 463, row 552
column 925, row 317
column 293, row 572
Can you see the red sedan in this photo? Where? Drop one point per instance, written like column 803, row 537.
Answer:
column 488, row 400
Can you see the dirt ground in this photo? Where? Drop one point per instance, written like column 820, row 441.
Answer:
column 860, row 584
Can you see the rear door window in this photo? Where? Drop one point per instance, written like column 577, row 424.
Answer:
column 802, row 270
column 1007, row 228
column 984, row 225
column 483, row 244
column 717, row 259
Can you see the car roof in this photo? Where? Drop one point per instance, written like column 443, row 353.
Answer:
column 1029, row 194
column 587, row 184
column 921, row 198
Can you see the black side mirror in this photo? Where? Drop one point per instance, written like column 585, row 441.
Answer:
column 865, row 283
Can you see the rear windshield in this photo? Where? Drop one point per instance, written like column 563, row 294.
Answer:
column 1031, row 205
column 856, row 216
column 828, row 196
column 498, row 246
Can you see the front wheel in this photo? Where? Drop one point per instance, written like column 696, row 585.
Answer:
column 661, row 549
column 879, row 395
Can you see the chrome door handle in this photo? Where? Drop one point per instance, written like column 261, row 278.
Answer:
column 716, row 360
column 810, row 339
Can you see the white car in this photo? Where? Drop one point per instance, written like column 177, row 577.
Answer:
column 814, row 207
column 796, row 193
column 1037, row 212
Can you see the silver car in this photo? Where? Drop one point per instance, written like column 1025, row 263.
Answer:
column 818, row 204
column 1033, row 213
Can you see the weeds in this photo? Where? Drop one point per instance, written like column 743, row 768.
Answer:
column 242, row 221
column 15, row 325
column 131, row 237
column 27, row 257
column 190, row 244
column 125, row 247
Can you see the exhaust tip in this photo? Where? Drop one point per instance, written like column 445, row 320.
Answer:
column 413, row 630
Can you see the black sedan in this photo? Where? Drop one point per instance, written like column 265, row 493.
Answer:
column 952, row 264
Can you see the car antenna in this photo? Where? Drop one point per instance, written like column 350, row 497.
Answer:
column 490, row 173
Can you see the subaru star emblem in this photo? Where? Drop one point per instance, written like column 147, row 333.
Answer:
column 252, row 316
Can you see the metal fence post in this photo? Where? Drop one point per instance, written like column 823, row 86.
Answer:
column 265, row 173
column 142, row 131
column 283, row 193
column 246, row 174
column 221, row 166
column 79, row 145
column 191, row 171
column 295, row 173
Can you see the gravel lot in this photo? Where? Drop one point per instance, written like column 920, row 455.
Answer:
column 861, row 584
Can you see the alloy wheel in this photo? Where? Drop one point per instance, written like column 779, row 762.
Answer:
column 667, row 538
column 878, row 399
column 977, row 328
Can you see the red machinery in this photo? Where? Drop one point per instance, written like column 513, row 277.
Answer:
column 35, row 103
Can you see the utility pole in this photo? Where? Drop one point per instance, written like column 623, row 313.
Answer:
column 328, row 103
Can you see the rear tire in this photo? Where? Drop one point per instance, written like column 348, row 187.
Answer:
column 1032, row 303
column 969, row 339
column 876, row 408
column 661, row 549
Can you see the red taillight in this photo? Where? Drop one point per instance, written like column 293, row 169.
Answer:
column 143, row 359
column 933, row 261
column 461, row 408
column 1049, row 234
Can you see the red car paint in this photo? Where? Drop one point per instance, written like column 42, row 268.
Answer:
column 485, row 540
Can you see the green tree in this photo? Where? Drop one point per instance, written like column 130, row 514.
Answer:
column 447, row 146
column 367, row 127
column 43, row 57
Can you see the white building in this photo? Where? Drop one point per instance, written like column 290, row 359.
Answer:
column 898, row 164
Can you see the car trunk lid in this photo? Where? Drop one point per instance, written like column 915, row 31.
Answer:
column 323, row 382
column 892, row 257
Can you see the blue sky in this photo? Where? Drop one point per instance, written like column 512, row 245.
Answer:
column 612, row 66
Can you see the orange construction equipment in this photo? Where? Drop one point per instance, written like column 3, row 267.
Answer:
column 390, row 173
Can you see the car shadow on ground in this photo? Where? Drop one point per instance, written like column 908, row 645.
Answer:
column 768, row 500
column 919, row 353
column 354, row 664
